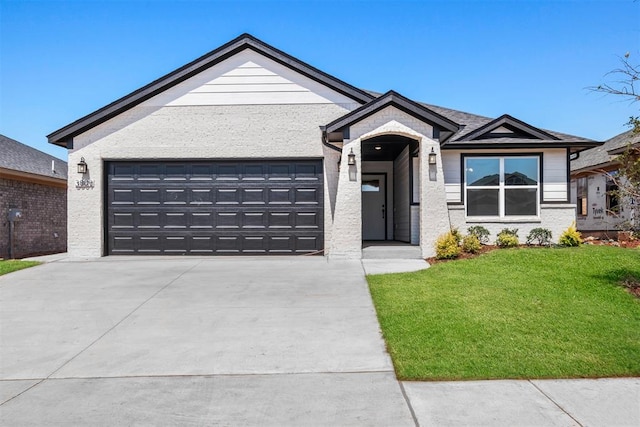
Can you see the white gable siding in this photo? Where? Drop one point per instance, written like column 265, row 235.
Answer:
column 554, row 188
column 451, row 170
column 249, row 78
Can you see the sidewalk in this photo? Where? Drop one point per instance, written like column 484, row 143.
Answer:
column 582, row 402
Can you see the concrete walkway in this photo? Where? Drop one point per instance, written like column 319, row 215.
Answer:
column 240, row 341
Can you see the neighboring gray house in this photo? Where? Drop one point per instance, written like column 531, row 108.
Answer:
column 35, row 185
column 248, row 150
column 598, row 211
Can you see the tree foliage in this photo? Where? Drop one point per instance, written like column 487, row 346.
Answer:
column 625, row 83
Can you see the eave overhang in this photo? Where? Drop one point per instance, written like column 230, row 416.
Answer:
column 573, row 146
column 32, row 178
column 64, row 137
column 620, row 150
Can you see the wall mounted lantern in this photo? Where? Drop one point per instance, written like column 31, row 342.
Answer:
column 432, row 157
column 82, row 166
column 351, row 158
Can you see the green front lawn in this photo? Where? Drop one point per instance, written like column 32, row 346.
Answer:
column 9, row 266
column 514, row 313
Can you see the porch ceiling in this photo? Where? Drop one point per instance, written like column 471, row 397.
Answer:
column 384, row 148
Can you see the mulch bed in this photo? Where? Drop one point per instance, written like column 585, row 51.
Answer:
column 632, row 285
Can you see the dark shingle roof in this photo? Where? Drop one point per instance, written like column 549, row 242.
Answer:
column 471, row 122
column 22, row 158
column 599, row 156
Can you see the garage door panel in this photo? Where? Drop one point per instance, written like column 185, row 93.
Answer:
column 148, row 219
column 281, row 220
column 214, row 207
column 307, row 195
column 226, row 220
column 226, row 196
column 254, row 220
column 253, row 196
column 308, row 220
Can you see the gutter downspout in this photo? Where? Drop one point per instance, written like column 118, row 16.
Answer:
column 325, row 142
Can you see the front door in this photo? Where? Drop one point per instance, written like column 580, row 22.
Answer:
column 374, row 209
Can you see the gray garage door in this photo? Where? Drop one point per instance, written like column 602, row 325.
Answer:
column 215, row 207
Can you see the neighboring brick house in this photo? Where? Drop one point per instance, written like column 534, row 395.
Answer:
column 248, row 150
column 36, row 184
column 599, row 212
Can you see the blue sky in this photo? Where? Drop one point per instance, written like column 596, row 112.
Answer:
column 61, row 60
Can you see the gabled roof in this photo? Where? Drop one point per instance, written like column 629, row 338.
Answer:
column 446, row 126
column 472, row 122
column 64, row 136
column 604, row 155
column 19, row 158
column 516, row 129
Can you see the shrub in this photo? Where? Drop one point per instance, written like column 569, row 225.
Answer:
column 471, row 244
column 447, row 246
column 456, row 235
column 540, row 235
column 508, row 238
column 571, row 236
column 480, row 232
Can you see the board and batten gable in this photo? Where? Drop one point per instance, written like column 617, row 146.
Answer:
column 554, row 171
column 245, row 107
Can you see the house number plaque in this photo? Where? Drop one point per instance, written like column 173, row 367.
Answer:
column 84, row 184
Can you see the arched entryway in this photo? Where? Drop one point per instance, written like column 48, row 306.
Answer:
column 390, row 203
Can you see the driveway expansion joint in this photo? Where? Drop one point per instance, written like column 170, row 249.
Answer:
column 406, row 399
column 555, row 403
column 123, row 319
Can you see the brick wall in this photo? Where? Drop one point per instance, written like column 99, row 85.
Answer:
column 43, row 228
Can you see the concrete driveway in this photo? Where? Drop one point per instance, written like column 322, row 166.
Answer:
column 225, row 341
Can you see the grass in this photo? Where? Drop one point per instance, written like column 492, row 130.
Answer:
column 514, row 313
column 9, row 266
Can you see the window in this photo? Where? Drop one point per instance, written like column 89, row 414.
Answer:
column 502, row 186
column 581, row 191
column 613, row 204
column 415, row 180
column 372, row 186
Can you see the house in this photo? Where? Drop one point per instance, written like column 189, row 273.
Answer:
column 248, row 150
column 33, row 201
column 599, row 212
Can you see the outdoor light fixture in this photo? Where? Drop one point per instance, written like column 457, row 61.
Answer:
column 351, row 158
column 82, row 166
column 378, row 147
column 432, row 157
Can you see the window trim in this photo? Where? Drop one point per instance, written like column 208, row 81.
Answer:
column 579, row 204
column 502, row 187
column 609, row 186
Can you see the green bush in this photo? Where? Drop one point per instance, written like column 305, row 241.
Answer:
column 540, row 235
column 508, row 238
column 480, row 232
column 471, row 244
column 447, row 246
column 571, row 236
column 456, row 235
